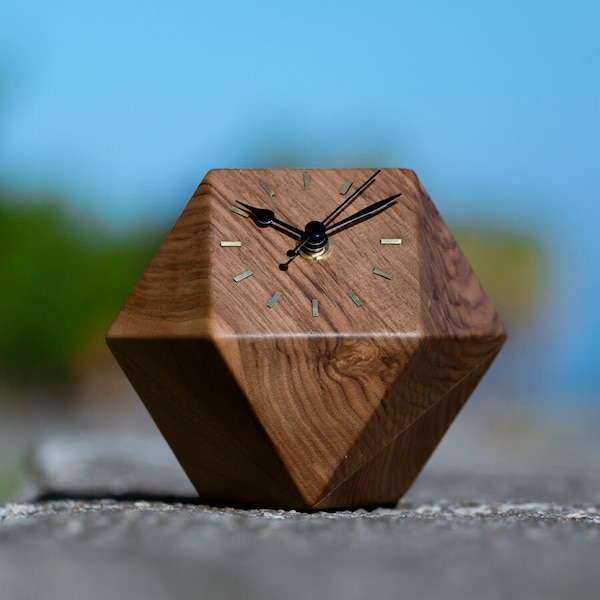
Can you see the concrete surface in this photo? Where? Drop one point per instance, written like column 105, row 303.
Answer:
column 93, row 524
column 107, row 549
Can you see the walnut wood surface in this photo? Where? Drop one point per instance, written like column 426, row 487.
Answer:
column 273, row 406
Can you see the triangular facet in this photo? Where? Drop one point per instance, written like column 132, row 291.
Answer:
column 389, row 474
column 321, row 394
column 221, row 446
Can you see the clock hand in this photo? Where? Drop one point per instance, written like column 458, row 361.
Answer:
column 349, row 199
column 314, row 237
column 317, row 228
column 365, row 213
column 265, row 216
column 299, row 246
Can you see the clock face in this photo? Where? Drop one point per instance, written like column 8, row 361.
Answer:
column 363, row 279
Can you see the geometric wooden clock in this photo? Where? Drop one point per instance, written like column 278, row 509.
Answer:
column 304, row 339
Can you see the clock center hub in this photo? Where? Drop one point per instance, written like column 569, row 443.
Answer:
column 317, row 245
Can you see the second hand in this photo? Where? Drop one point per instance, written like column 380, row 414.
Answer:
column 349, row 199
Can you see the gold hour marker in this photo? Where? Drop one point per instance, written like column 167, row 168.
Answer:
column 267, row 188
column 345, row 187
column 382, row 274
column 315, row 307
column 273, row 300
column 242, row 276
column 355, row 298
column 306, row 181
column 230, row 244
column 390, row 241
column 240, row 211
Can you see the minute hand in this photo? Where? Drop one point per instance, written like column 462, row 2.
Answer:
column 365, row 213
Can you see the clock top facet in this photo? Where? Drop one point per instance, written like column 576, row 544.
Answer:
column 333, row 370
column 189, row 285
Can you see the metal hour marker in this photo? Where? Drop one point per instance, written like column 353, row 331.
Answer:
column 230, row 244
column 390, row 241
column 273, row 300
column 242, row 276
column 345, row 187
column 382, row 274
column 240, row 211
column 355, row 298
column 315, row 307
column 267, row 188
column 306, row 181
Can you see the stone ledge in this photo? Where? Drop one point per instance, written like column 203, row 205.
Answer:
column 458, row 533
column 146, row 550
column 14, row 513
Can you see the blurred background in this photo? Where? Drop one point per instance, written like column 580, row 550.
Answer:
column 111, row 113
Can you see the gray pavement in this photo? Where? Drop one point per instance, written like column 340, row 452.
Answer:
column 112, row 516
column 108, row 549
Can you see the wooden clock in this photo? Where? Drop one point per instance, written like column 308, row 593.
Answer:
column 304, row 339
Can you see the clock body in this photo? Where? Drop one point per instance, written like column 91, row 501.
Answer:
column 325, row 385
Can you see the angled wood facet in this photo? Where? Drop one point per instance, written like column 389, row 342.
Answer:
column 267, row 397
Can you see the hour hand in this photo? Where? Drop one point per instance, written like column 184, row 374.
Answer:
column 265, row 216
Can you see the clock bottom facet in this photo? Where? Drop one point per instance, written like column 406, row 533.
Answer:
column 236, row 450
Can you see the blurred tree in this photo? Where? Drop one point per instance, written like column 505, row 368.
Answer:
column 63, row 280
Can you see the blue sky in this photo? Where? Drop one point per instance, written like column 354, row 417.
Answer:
column 123, row 107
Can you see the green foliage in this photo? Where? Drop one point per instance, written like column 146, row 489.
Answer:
column 11, row 477
column 63, row 282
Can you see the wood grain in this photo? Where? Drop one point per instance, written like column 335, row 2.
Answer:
column 274, row 406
